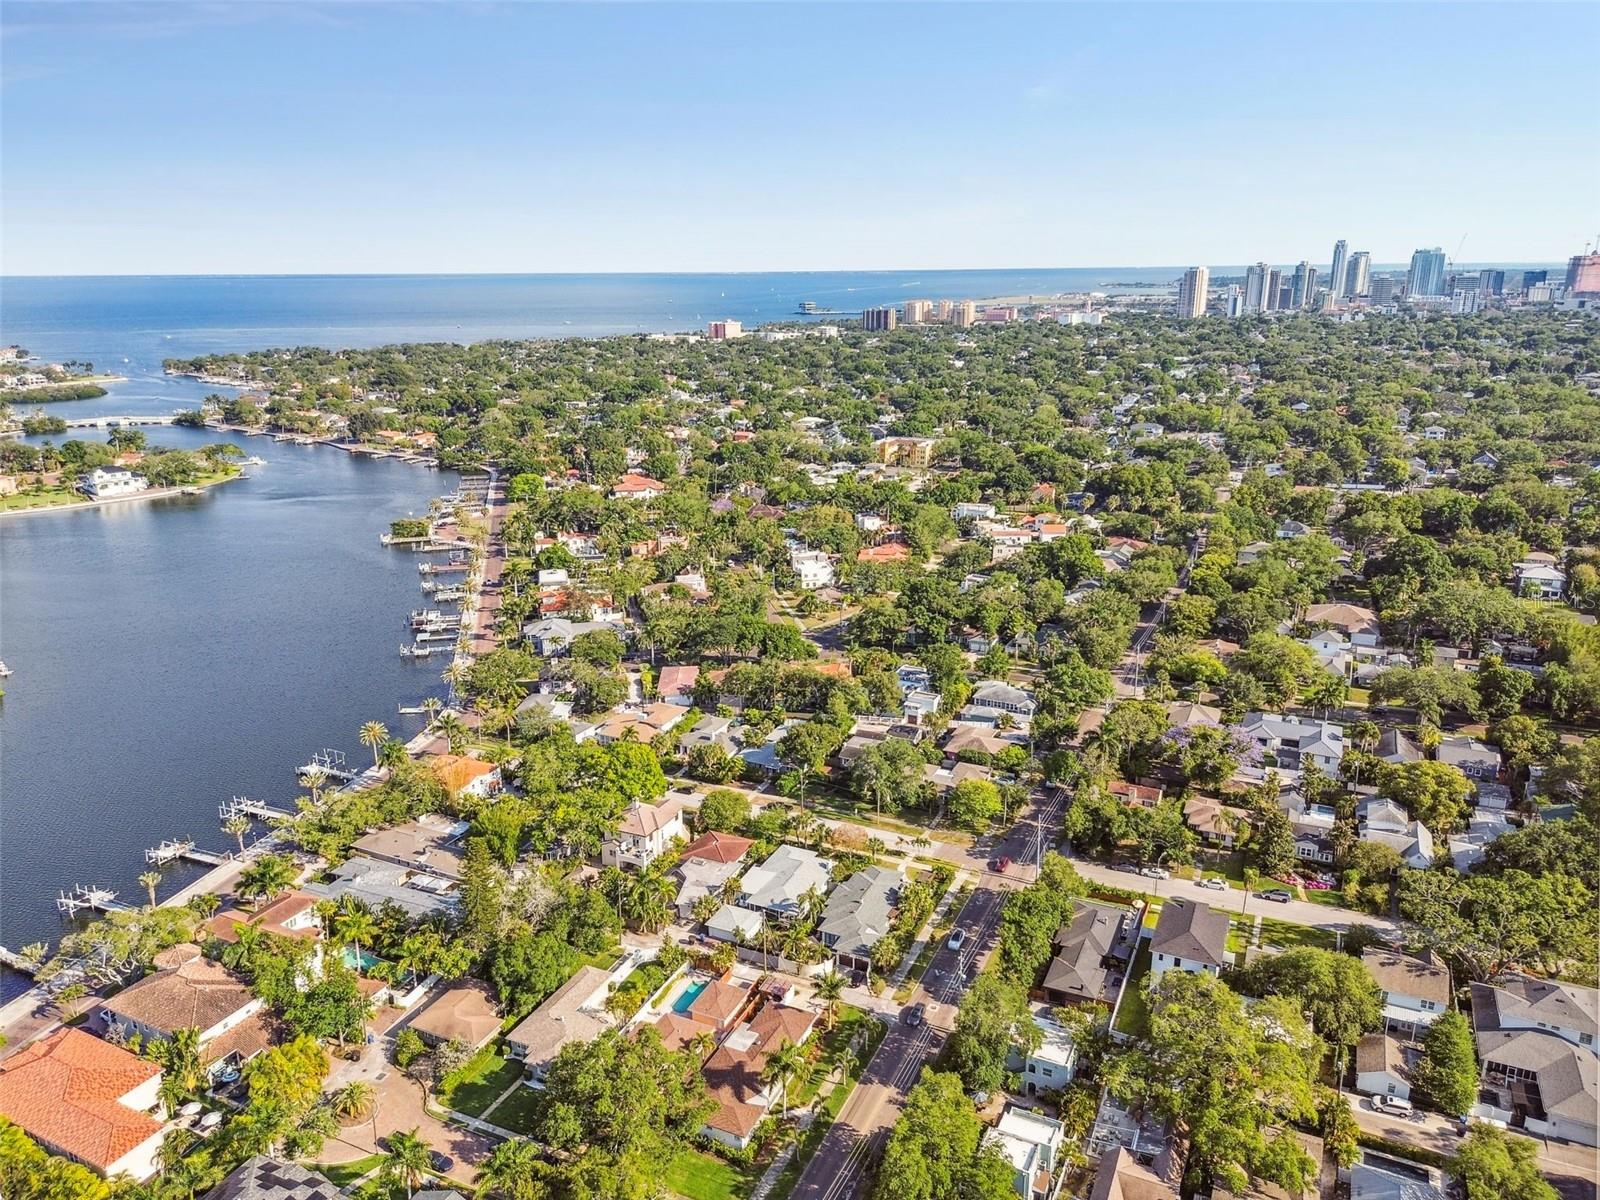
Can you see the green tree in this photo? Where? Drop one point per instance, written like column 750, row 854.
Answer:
column 1336, row 991
column 1446, row 1077
column 1495, row 1165
column 1489, row 924
column 993, row 1017
column 406, row 1160
column 1434, row 793
column 888, row 773
column 725, row 810
column 933, row 1146
column 974, row 804
column 268, row 877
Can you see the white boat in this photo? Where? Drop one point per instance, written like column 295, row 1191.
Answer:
column 255, row 460
column 4, row 670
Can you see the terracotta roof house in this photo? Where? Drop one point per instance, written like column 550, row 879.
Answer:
column 715, row 846
column 198, row 994
column 637, row 487
column 721, row 1002
column 1134, row 793
column 461, row 775
column 464, row 1013
column 709, row 862
column 676, row 683
column 574, row 1012
column 888, row 552
column 86, row 1100
column 293, row 914
column 1216, row 822
column 1189, row 936
column 733, row 1072
column 263, row 1178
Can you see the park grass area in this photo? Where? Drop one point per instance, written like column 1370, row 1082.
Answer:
column 44, row 497
column 519, row 1111
column 826, row 1114
column 1286, row 935
column 477, row 1085
column 342, row 1175
column 696, row 1175
column 1133, row 1017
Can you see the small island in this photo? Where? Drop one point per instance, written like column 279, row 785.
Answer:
column 26, row 380
column 79, row 474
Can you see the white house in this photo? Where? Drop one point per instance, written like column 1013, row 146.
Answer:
column 1190, row 936
column 1541, row 581
column 86, row 1100
column 1003, row 697
column 643, row 834
column 1416, row 988
column 1031, row 1142
column 196, row 993
column 104, row 483
column 780, row 884
column 814, row 568
column 971, row 510
column 1051, row 1065
column 1295, row 741
column 1382, row 1067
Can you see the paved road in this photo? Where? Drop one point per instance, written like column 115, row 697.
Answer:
column 1571, row 1168
column 840, row 1167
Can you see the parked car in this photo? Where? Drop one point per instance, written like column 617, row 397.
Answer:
column 1215, row 883
column 1155, row 872
column 1393, row 1105
column 958, row 938
column 1277, row 895
column 913, row 1015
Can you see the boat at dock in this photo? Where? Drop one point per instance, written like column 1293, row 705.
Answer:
column 432, row 568
column 422, row 651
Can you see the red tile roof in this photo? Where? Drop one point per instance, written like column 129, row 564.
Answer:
column 718, row 847
column 66, row 1090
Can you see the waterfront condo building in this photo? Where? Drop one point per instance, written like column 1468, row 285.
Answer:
column 1358, row 275
column 1192, row 290
column 879, row 320
column 963, row 314
column 1336, row 274
column 1426, row 276
column 724, row 331
column 917, row 311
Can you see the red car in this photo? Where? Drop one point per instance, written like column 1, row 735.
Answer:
column 1002, row 864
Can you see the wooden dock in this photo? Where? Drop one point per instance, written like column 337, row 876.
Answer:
column 174, row 849
column 243, row 806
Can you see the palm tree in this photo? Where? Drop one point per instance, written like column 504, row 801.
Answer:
column 315, row 779
column 238, row 825
column 830, row 990
column 431, row 707
column 373, row 735
column 355, row 924
column 240, row 954
column 353, row 1101
column 35, row 952
column 268, row 876
column 148, row 881
column 407, row 1160
column 181, row 1072
column 703, row 1043
column 782, row 1065
column 454, row 730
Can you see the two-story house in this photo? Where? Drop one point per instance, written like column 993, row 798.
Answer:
column 1295, row 742
column 1536, row 1044
column 1416, row 988
column 857, row 915
column 644, row 834
column 191, row 992
column 1190, row 936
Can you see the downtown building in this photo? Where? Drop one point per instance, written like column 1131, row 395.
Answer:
column 1192, row 291
column 1337, row 272
column 1426, row 276
column 1358, row 275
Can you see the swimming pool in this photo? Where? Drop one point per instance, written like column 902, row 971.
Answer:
column 687, row 996
column 367, row 961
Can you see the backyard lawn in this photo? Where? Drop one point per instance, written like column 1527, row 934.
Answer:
column 1286, row 935
column 696, row 1175
column 1133, row 1018
column 518, row 1111
column 479, row 1084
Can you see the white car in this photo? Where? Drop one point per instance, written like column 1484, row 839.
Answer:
column 1215, row 884
column 1393, row 1105
column 1155, row 872
column 957, row 939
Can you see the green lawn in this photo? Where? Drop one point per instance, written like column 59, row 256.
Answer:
column 1286, row 935
column 1332, row 897
column 40, row 498
column 833, row 1045
column 1133, row 1018
column 697, row 1175
column 518, row 1111
column 478, row 1084
column 344, row 1174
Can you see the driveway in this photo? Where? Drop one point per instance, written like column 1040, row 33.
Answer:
column 399, row 1107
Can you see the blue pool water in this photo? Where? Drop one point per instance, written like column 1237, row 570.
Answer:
column 686, row 997
column 367, row 961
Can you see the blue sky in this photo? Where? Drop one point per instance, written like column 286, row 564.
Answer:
column 301, row 137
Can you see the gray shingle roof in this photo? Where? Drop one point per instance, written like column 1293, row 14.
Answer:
column 1191, row 930
column 263, row 1178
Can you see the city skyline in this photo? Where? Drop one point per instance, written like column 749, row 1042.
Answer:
column 550, row 138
